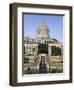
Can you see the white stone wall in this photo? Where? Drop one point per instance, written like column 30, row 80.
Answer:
column 31, row 48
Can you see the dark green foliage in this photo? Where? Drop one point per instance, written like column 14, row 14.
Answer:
column 43, row 48
column 53, row 71
column 31, row 71
column 56, row 51
column 26, row 60
column 56, row 71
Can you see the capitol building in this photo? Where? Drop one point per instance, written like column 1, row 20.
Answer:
column 42, row 49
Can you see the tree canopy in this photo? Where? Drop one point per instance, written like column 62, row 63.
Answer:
column 43, row 48
column 56, row 51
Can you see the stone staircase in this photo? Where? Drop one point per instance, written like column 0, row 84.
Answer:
column 36, row 64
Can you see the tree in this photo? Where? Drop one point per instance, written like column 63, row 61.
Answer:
column 26, row 60
column 43, row 48
column 56, row 51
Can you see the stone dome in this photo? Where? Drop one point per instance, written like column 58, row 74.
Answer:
column 43, row 31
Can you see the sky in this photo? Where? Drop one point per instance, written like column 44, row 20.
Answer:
column 54, row 23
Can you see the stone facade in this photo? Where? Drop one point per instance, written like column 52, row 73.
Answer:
column 43, row 36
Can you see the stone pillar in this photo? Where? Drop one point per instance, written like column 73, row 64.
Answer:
column 36, row 49
column 49, row 50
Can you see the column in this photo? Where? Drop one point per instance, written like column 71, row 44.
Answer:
column 49, row 50
column 36, row 49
